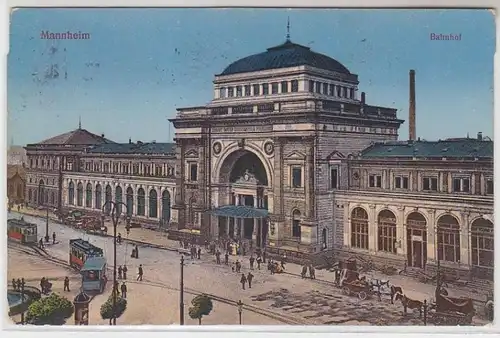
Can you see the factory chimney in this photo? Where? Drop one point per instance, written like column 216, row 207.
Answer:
column 411, row 122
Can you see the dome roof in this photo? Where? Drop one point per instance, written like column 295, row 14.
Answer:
column 288, row 54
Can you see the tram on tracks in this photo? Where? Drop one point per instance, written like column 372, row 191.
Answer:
column 80, row 250
column 21, row 231
column 94, row 274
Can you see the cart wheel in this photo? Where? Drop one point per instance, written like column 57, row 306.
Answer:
column 346, row 290
column 362, row 295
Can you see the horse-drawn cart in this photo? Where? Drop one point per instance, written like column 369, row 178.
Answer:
column 452, row 311
column 358, row 287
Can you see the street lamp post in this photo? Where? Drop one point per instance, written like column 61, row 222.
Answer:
column 240, row 309
column 47, row 238
column 21, row 287
column 181, row 296
column 115, row 217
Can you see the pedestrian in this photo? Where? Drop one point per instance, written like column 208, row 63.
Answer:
column 119, row 238
column 264, row 257
column 40, row 243
column 18, row 207
column 124, row 272
column 139, row 277
column 226, row 258
column 217, row 256
column 250, row 278
column 42, row 285
column 283, row 261
column 120, row 270
column 199, row 253
column 312, row 272
column 115, row 288
column 304, row 271
column 14, row 284
column 133, row 253
column 19, row 283
column 259, row 262
column 124, row 290
column 66, row 283
column 251, row 262
column 193, row 252
column 54, row 237
column 136, row 252
column 243, row 280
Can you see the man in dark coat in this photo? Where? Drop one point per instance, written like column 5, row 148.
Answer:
column 252, row 260
column 226, row 258
column 249, row 279
column 140, row 273
column 217, row 256
column 199, row 253
column 243, row 280
column 66, row 283
column 123, row 289
column 124, row 272
column 259, row 262
column 53, row 238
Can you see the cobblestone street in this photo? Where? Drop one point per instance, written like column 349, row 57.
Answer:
column 283, row 298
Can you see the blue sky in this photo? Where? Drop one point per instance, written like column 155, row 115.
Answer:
column 141, row 64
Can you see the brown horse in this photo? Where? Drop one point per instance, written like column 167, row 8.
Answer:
column 409, row 303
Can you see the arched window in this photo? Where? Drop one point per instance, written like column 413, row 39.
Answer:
column 30, row 196
column 296, row 230
column 88, row 195
column 323, row 237
column 165, row 206
column 482, row 243
column 41, row 192
column 118, row 199
column 79, row 194
column 386, row 231
column 141, row 202
column 71, row 193
column 53, row 198
column 153, row 203
column 359, row 228
column 46, row 196
column 448, row 232
column 107, row 197
column 98, row 196
column 130, row 201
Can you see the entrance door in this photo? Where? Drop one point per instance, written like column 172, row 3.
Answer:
column 222, row 226
column 417, row 248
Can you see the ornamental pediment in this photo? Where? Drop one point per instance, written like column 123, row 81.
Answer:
column 191, row 154
column 295, row 155
column 336, row 155
column 247, row 178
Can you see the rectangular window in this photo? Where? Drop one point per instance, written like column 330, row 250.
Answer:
column 311, row 86
column 351, row 93
column 318, row 87
column 256, row 89
column 222, row 92
column 230, row 92
column 247, row 90
column 339, row 91
column 334, row 178
column 295, row 86
column 265, row 89
column 238, row 91
column 330, row 89
column 284, row 86
column 429, row 184
column 296, row 177
column 193, row 172
column 325, row 88
column 461, row 185
column 401, row 182
column 274, row 88
column 489, row 186
column 375, row 181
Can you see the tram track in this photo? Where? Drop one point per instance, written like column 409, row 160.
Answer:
column 285, row 319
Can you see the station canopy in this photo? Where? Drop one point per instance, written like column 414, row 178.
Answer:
column 240, row 211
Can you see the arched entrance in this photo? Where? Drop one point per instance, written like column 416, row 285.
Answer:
column 448, row 232
column 482, row 245
column 71, row 193
column 88, row 196
column 118, row 199
column 247, row 181
column 79, row 194
column 130, row 201
column 107, row 198
column 416, row 232
column 387, row 231
column 165, row 207
column 359, row 228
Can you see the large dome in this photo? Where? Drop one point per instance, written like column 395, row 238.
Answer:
column 285, row 55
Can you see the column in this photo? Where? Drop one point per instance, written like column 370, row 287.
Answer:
column 309, row 173
column 146, row 204
column 431, row 236
column 134, row 205
column 255, row 221
column 465, row 253
column 237, row 199
column 372, row 228
column 159, row 203
column 347, row 225
column 400, row 230
column 450, row 183
column 483, row 184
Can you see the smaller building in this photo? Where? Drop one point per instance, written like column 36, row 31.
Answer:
column 16, row 183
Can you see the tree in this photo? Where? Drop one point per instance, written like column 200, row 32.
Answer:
column 107, row 307
column 51, row 310
column 202, row 306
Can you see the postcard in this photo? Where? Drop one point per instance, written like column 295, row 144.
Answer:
column 250, row 166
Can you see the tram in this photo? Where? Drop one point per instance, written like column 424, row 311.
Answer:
column 94, row 274
column 80, row 250
column 21, row 231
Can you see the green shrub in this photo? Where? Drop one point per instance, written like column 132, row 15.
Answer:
column 202, row 306
column 51, row 310
column 107, row 307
